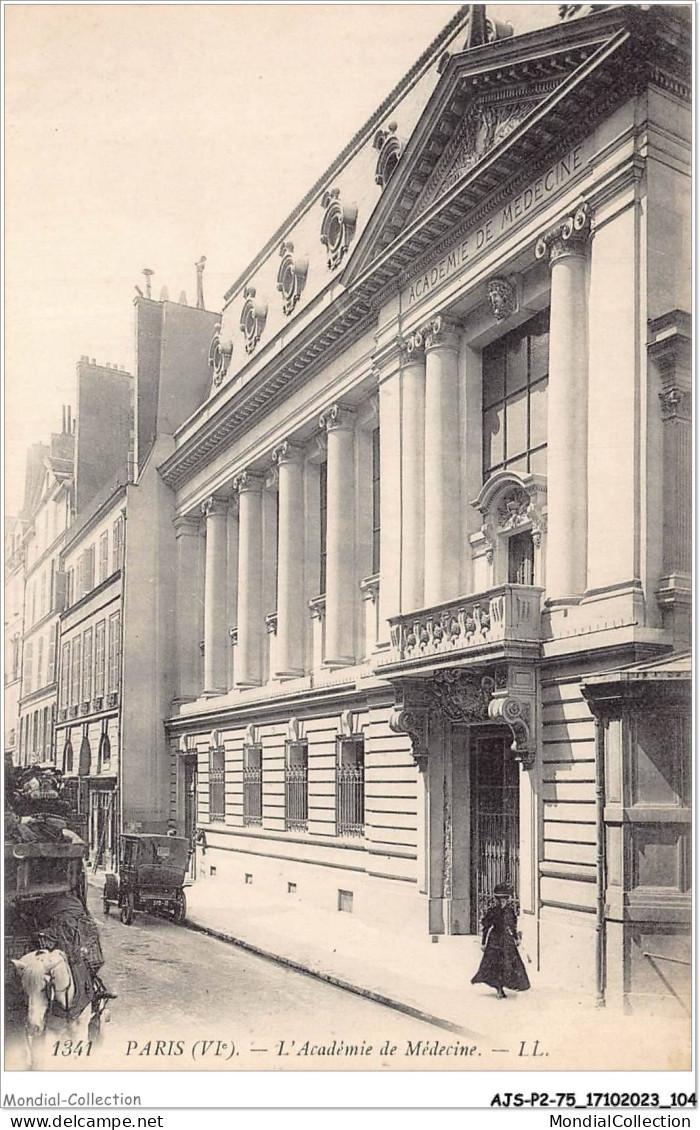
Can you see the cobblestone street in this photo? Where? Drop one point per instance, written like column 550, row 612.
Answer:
column 177, row 988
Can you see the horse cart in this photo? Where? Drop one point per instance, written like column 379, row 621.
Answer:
column 52, row 945
column 151, row 877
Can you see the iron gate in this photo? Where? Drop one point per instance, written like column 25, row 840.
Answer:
column 495, row 825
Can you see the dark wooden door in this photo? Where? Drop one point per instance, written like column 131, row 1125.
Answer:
column 495, row 825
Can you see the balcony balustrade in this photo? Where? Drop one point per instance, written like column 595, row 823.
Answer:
column 484, row 623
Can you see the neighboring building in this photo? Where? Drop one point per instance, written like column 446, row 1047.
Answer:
column 47, row 512
column 88, row 729
column 13, row 628
column 433, row 497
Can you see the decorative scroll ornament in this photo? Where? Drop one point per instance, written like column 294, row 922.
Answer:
column 294, row 730
column 440, row 331
column 675, row 401
column 220, row 352
column 291, row 277
column 508, row 501
column 215, row 739
column 517, row 715
column 568, row 238
column 503, row 297
column 338, row 226
column 463, row 696
column 213, row 506
column 253, row 318
column 247, row 480
column 349, row 727
column 336, row 418
column 410, row 716
column 390, row 148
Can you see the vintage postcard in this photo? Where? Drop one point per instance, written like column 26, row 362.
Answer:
column 348, row 540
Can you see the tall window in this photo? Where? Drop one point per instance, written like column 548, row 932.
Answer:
column 68, row 754
column 28, row 668
column 104, row 556
column 51, row 661
column 69, row 588
column 87, row 665
column 323, row 522
column 296, row 786
column 40, row 663
column 376, row 496
column 99, row 687
column 217, row 809
column 114, row 646
column 252, row 784
column 42, row 601
column 65, row 674
column 350, row 786
column 15, row 657
column 515, row 373
column 104, row 751
column 87, row 571
column 75, row 679
column 117, row 544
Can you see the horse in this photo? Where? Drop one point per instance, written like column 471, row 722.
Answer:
column 51, row 991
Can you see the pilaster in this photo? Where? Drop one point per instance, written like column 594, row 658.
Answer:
column 338, row 422
column 248, row 672
column 189, row 588
column 291, row 613
column 214, row 510
column 442, row 490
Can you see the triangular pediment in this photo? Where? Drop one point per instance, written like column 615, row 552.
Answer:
column 495, row 111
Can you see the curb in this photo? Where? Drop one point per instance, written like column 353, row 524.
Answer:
column 338, row 982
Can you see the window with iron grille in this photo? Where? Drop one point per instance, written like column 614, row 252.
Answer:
column 252, row 784
column 296, row 786
column 323, row 521
column 104, row 555
column 515, row 377
column 350, row 786
column 217, row 809
column 376, row 527
column 99, row 659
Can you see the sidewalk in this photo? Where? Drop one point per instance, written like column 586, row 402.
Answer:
column 431, row 981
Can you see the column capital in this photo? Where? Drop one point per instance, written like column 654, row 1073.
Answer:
column 248, row 481
column 441, row 332
column 287, row 452
column 214, row 506
column 187, row 525
column 675, row 403
column 568, row 238
column 337, row 418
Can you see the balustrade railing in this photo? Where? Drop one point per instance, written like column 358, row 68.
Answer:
column 510, row 612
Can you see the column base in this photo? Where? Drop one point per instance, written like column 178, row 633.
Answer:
column 213, row 693
column 341, row 661
column 290, row 673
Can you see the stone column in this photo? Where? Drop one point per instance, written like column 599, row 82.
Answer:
column 442, row 491
column 291, row 612
column 248, row 666
column 567, row 406
column 215, row 640
column 189, row 586
column 341, row 587
column 413, row 475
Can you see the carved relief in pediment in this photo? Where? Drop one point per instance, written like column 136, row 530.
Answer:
column 481, row 129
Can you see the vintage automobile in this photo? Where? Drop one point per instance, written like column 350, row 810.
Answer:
column 151, row 876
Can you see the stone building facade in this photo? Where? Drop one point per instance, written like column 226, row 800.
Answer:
column 439, row 487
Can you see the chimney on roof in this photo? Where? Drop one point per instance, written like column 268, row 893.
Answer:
column 147, row 272
column 164, row 294
column 63, row 424
column 183, row 298
column 199, row 267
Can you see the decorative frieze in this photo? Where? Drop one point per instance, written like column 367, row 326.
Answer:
column 390, row 147
column 567, row 238
column 291, row 276
column 220, row 352
column 253, row 318
column 338, row 226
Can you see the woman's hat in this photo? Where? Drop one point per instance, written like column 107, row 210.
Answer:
column 503, row 889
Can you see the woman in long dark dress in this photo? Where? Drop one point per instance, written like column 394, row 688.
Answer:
column 501, row 966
